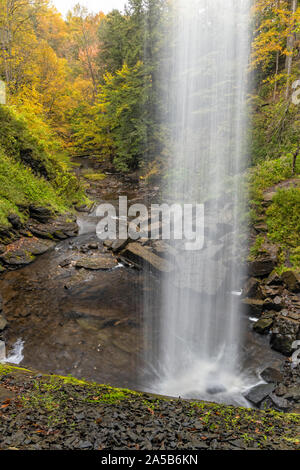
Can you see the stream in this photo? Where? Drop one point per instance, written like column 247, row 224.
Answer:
column 89, row 323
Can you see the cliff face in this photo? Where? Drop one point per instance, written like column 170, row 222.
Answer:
column 272, row 292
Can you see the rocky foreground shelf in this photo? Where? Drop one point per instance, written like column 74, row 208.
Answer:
column 50, row 412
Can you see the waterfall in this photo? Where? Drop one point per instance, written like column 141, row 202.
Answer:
column 197, row 352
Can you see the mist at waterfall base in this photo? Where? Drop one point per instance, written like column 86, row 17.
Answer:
column 197, row 337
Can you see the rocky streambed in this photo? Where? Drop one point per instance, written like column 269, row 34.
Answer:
column 40, row 412
column 79, row 308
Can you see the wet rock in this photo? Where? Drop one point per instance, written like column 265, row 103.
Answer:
column 257, row 394
column 284, row 333
column 271, row 375
column 293, row 393
column 60, row 228
column 15, row 221
column 85, row 419
column 281, row 390
column 2, row 351
column 263, row 325
column 97, row 262
column 7, row 235
column 295, row 409
column 253, row 307
column 3, row 323
column 271, row 291
column 93, row 246
column 23, row 251
column 119, row 245
column 50, row 232
column 161, row 248
column 265, row 262
column 142, row 256
column 82, row 208
column 295, row 302
column 85, row 445
column 281, row 404
column 292, row 280
column 41, row 214
column 275, row 304
column 274, row 279
column 65, row 263
column 251, row 288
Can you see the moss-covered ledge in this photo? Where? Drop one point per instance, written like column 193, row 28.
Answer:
column 51, row 412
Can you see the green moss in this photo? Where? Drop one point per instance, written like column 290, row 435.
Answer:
column 268, row 173
column 30, row 173
column 275, row 126
column 94, row 176
column 295, row 257
column 256, row 248
column 265, row 423
column 49, row 392
column 53, row 395
column 283, row 220
column 7, row 369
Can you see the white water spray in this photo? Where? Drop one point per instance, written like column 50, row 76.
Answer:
column 15, row 356
column 198, row 350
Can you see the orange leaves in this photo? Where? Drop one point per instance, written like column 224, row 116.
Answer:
column 276, row 22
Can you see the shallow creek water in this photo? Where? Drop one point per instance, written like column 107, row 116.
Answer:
column 90, row 323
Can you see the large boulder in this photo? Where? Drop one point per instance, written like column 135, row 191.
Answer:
column 41, row 214
column 165, row 250
column 15, row 221
column 280, row 403
column 271, row 375
column 276, row 304
column 142, row 257
column 271, row 291
column 258, row 393
column 292, row 280
column 285, row 331
column 60, row 228
column 252, row 288
column 264, row 263
column 293, row 393
column 24, row 250
column 263, row 325
column 274, row 279
column 119, row 245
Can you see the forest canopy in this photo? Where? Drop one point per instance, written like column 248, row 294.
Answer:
column 91, row 83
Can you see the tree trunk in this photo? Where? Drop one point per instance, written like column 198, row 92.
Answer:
column 276, row 73
column 295, row 159
column 290, row 47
